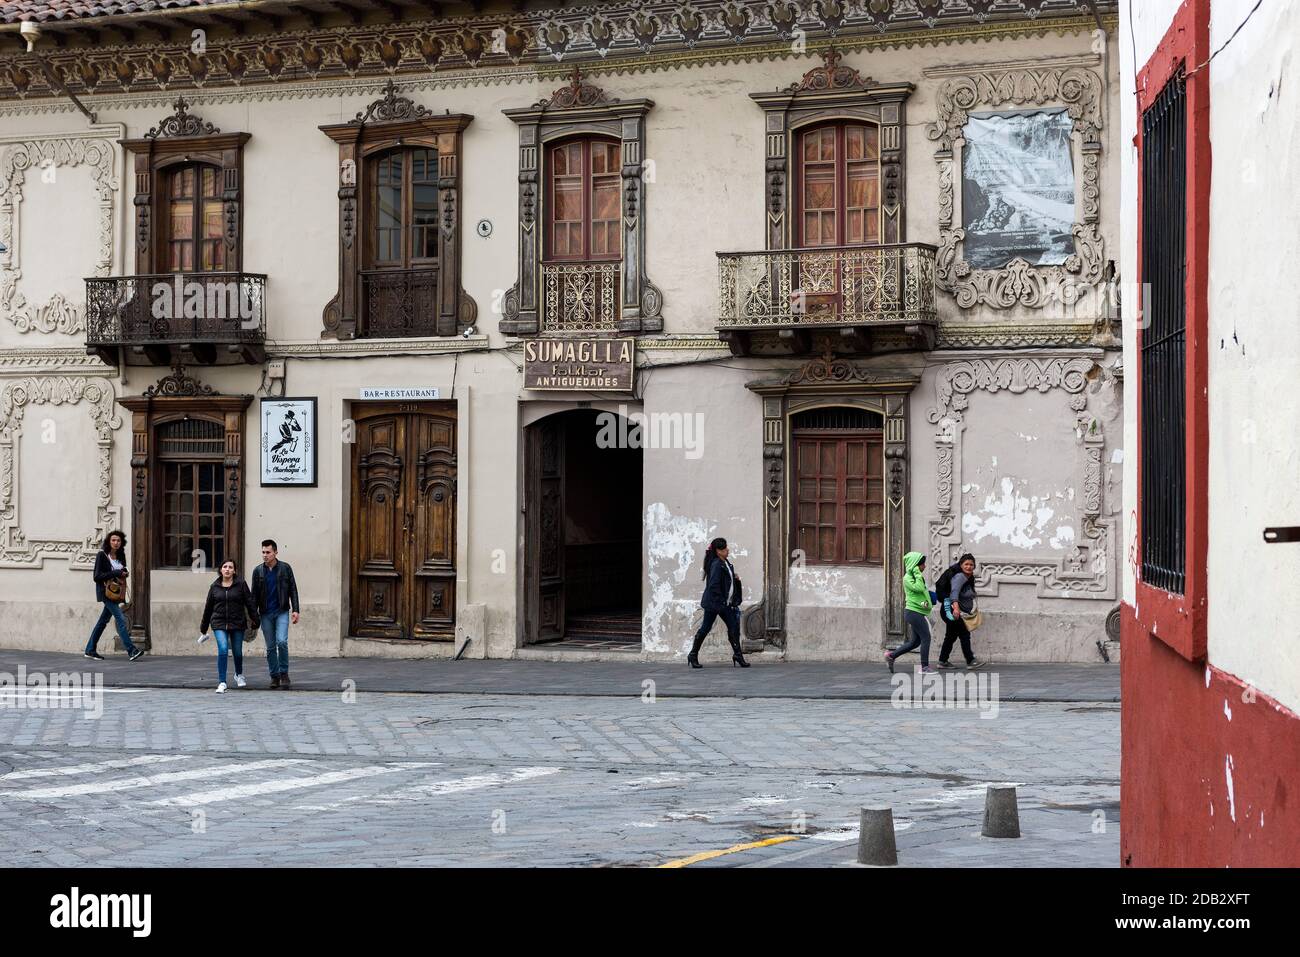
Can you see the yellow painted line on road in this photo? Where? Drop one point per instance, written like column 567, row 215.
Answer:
column 709, row 855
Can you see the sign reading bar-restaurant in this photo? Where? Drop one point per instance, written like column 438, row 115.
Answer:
column 583, row 364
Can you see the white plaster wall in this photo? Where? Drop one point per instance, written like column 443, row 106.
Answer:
column 1254, row 342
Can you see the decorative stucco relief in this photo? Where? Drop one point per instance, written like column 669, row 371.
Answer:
column 1079, row 90
column 95, row 148
column 1084, row 571
column 632, row 35
column 16, row 395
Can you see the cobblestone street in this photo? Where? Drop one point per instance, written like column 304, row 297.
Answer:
column 176, row 777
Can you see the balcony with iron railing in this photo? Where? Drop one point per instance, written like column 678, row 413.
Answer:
column 399, row 303
column 580, row 296
column 860, row 293
column 198, row 318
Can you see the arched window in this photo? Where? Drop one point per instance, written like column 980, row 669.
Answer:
column 404, row 209
column 837, row 194
column 839, row 513
column 193, row 219
column 583, row 185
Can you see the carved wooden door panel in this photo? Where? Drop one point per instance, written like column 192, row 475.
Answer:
column 431, row 524
column 544, row 530
column 404, row 523
column 379, row 561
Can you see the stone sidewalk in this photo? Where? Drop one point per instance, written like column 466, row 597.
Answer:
column 1050, row 682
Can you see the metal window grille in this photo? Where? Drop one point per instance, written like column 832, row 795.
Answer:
column 1164, row 356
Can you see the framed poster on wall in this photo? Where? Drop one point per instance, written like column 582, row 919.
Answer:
column 1018, row 188
column 289, row 442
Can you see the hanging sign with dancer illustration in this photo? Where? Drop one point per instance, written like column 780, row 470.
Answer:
column 289, row 442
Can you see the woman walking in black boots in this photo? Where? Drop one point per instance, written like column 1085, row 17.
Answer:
column 721, row 600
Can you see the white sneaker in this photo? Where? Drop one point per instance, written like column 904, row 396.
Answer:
column 239, row 681
column 221, row 688
column 203, row 638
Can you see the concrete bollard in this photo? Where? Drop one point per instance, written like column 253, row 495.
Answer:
column 876, row 838
column 1001, row 816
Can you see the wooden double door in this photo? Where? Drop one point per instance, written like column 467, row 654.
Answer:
column 404, row 521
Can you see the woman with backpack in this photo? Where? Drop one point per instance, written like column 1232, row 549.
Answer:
column 917, row 614
column 228, row 610
column 110, row 590
column 956, row 590
column 721, row 599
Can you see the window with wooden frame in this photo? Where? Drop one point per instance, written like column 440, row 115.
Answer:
column 582, row 217
column 839, row 501
column 584, row 181
column 403, row 197
column 837, row 198
column 399, row 223
column 192, row 228
column 191, row 492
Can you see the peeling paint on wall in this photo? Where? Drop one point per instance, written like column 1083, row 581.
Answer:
column 826, row 586
column 674, row 553
column 1014, row 518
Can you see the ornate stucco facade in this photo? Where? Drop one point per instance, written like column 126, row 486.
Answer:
column 1000, row 413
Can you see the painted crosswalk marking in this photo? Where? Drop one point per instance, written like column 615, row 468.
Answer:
column 241, row 791
column 126, row 784
column 473, row 782
column 75, row 769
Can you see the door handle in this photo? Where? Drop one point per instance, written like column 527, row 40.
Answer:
column 406, row 523
column 1284, row 534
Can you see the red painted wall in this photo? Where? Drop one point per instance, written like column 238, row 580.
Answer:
column 1176, row 743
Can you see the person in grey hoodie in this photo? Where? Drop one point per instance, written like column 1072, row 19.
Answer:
column 959, row 600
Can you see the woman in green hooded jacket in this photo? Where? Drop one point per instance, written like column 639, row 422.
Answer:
column 917, row 614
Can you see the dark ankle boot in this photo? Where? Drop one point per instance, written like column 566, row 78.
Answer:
column 737, row 659
column 693, row 659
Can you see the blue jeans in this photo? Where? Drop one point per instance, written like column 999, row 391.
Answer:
column 111, row 610
column 225, row 641
column 920, row 636
column 275, row 629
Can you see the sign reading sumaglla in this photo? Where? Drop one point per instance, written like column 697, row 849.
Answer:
column 583, row 364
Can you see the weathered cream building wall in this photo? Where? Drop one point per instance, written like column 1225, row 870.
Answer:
column 1023, row 461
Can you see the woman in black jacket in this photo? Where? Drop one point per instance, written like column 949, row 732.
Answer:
column 721, row 600
column 110, row 590
column 229, row 607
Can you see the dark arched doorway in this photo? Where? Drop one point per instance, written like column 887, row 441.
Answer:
column 582, row 529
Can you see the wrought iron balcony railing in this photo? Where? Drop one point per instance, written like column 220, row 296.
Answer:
column 580, row 297
column 211, row 316
column 828, row 285
column 400, row 302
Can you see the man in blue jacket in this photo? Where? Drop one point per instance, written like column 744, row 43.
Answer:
column 276, row 594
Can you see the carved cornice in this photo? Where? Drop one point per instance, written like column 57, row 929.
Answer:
column 181, row 123
column 621, row 37
column 1079, row 90
column 71, row 360
column 1014, row 335
column 44, row 155
column 179, row 384
column 345, row 348
column 390, row 108
column 16, row 549
column 830, row 76
column 576, row 95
